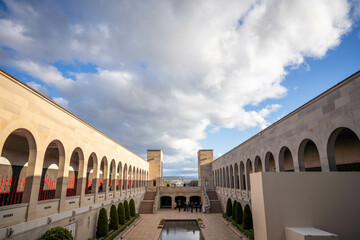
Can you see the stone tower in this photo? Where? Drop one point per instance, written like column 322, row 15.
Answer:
column 155, row 159
column 205, row 158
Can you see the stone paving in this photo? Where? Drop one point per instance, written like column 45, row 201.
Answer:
column 215, row 228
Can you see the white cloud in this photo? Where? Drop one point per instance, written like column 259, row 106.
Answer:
column 62, row 102
column 169, row 70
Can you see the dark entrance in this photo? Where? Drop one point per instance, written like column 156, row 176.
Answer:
column 182, row 200
column 195, row 199
column 165, row 202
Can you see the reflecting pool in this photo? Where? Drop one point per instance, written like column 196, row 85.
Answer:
column 181, row 230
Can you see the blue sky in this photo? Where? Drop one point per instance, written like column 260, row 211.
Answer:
column 169, row 75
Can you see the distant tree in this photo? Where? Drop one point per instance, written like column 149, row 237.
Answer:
column 103, row 224
column 114, row 218
column 132, row 207
column 193, row 183
column 127, row 210
column 234, row 210
column 57, row 233
column 247, row 221
column 228, row 208
column 239, row 213
column 121, row 213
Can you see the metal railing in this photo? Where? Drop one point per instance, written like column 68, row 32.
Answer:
column 206, row 207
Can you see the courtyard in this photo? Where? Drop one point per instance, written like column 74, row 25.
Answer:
column 215, row 226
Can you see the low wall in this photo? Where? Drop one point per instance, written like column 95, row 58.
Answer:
column 83, row 220
column 329, row 201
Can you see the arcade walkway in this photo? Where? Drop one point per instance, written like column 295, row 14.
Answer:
column 214, row 229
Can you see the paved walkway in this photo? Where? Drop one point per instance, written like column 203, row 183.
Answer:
column 215, row 228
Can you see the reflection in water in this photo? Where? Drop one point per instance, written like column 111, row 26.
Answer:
column 181, row 230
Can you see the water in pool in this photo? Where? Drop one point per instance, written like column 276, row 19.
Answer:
column 181, row 230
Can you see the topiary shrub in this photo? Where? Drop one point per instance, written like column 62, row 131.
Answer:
column 234, row 210
column 103, row 224
column 57, row 233
column 239, row 213
column 127, row 210
column 228, row 208
column 132, row 208
column 121, row 213
column 247, row 220
column 114, row 218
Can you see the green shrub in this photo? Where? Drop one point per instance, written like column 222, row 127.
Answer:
column 114, row 218
column 121, row 213
column 114, row 234
column 234, row 210
column 228, row 208
column 127, row 210
column 57, row 233
column 247, row 218
column 103, row 225
column 132, row 208
column 249, row 233
column 239, row 213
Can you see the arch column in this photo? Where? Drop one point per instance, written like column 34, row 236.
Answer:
column 32, row 183
column 61, row 182
column 82, row 181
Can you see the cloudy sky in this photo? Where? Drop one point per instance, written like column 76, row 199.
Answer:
column 180, row 75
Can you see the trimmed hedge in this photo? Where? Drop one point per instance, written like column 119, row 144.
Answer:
column 121, row 213
column 239, row 213
column 114, row 234
column 114, row 218
column 57, row 233
column 234, row 210
column 103, row 225
column 132, row 208
column 127, row 210
column 228, row 208
column 248, row 223
column 249, row 233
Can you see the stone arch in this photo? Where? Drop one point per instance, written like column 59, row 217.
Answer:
column 91, row 174
column 270, row 162
column 249, row 170
column 219, row 178
column 343, row 150
column 18, row 152
column 125, row 178
column 112, row 175
column 76, row 166
column 231, row 177
column 195, row 199
column 129, row 182
column 137, row 178
column 286, row 162
column 165, row 202
column 308, row 155
column 53, row 159
column 103, row 175
column 237, row 178
column 182, row 200
column 224, row 182
column 133, row 177
column 258, row 164
column 242, row 176
column 119, row 177
column 227, row 176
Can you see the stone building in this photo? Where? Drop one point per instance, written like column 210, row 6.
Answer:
column 319, row 143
